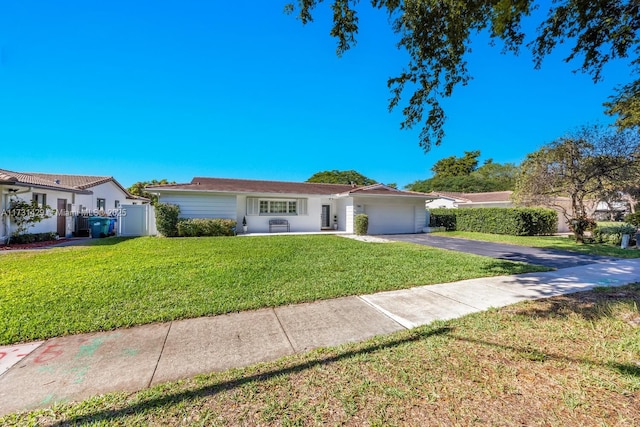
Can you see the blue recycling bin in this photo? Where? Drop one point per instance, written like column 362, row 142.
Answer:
column 112, row 226
column 99, row 226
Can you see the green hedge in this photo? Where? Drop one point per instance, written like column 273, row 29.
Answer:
column 612, row 234
column 206, row 227
column 510, row 221
column 167, row 219
column 32, row 238
column 362, row 224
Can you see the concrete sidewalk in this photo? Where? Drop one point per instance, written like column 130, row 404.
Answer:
column 80, row 366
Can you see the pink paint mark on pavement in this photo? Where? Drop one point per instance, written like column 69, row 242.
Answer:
column 10, row 355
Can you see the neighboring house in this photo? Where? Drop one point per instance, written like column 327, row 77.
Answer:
column 494, row 199
column 68, row 195
column 307, row 207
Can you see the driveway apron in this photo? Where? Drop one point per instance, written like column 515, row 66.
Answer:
column 539, row 256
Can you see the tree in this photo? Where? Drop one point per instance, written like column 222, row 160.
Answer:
column 454, row 166
column 461, row 174
column 138, row 189
column 581, row 166
column 437, row 35
column 25, row 215
column 341, row 177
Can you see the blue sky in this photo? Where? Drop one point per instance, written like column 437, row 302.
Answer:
column 145, row 90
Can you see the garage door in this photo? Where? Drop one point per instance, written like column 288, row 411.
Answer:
column 384, row 219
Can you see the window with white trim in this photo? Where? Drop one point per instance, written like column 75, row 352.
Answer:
column 260, row 206
column 40, row 199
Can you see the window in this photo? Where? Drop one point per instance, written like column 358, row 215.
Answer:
column 101, row 204
column 117, row 204
column 257, row 206
column 40, row 199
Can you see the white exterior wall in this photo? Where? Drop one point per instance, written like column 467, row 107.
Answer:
column 49, row 225
column 203, row 205
column 297, row 223
column 442, row 202
column 108, row 191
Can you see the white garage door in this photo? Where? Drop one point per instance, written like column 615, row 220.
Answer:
column 385, row 219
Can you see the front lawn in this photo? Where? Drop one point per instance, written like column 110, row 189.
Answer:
column 569, row 361
column 115, row 283
column 547, row 242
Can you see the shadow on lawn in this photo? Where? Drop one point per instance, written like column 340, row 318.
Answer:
column 591, row 305
column 176, row 398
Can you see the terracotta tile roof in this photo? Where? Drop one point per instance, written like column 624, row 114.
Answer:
column 76, row 181
column 35, row 180
column 84, row 182
column 229, row 185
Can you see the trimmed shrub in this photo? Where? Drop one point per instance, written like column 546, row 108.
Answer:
column 32, row 238
column 197, row 227
column 167, row 219
column 362, row 224
column 443, row 218
column 612, row 234
column 510, row 221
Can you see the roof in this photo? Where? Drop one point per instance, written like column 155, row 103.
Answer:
column 72, row 183
column 231, row 185
column 26, row 179
column 83, row 182
column 489, row 197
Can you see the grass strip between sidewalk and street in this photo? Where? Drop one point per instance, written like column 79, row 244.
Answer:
column 117, row 282
column 571, row 360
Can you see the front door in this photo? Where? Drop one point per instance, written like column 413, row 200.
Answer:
column 326, row 216
column 62, row 217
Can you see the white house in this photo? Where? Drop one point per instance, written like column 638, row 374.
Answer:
column 307, row 207
column 66, row 195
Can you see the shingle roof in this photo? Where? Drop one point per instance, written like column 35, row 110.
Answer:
column 230, row 185
column 493, row 196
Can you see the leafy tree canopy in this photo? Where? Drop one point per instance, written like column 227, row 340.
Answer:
column 582, row 166
column 138, row 189
column 437, row 35
column 462, row 174
column 341, row 177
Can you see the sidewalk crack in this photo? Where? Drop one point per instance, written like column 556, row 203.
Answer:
column 164, row 343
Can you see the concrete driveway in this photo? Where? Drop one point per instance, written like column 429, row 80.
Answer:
column 538, row 256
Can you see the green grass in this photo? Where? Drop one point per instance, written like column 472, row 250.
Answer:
column 548, row 242
column 122, row 282
column 568, row 361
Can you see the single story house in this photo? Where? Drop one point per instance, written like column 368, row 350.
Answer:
column 69, row 197
column 306, row 207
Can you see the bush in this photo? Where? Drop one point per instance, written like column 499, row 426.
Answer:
column 167, row 219
column 633, row 219
column 32, row 238
column 510, row 221
column 197, row 227
column 443, row 218
column 362, row 224
column 612, row 234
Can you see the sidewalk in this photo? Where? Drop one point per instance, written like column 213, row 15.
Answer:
column 76, row 367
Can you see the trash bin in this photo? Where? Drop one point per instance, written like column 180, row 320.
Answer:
column 112, row 227
column 625, row 241
column 99, row 226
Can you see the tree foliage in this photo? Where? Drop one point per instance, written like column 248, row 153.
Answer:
column 462, row 174
column 579, row 167
column 138, row 189
column 437, row 36
column 341, row 177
